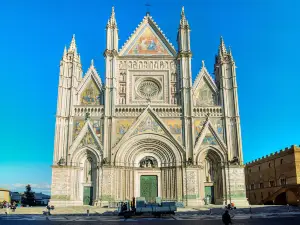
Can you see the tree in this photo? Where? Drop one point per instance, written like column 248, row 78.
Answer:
column 28, row 196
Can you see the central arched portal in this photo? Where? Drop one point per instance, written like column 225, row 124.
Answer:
column 149, row 166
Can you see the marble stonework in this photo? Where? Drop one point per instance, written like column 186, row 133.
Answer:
column 148, row 118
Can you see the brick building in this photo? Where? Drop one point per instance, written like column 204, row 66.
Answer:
column 275, row 178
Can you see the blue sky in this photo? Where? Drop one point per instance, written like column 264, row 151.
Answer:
column 264, row 36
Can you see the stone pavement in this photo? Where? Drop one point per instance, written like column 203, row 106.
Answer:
column 207, row 210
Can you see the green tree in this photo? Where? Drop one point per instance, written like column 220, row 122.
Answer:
column 28, row 196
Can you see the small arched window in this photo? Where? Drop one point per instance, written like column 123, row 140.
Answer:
column 281, row 161
column 269, row 165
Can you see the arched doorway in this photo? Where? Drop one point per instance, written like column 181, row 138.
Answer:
column 86, row 178
column 152, row 165
column 212, row 175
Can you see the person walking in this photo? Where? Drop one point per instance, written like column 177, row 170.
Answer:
column 226, row 218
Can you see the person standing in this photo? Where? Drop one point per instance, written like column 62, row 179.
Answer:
column 226, row 218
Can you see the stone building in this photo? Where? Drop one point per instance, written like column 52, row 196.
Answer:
column 148, row 130
column 275, row 179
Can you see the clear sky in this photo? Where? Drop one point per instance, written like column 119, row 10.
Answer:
column 263, row 34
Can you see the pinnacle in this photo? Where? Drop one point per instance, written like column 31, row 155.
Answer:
column 65, row 51
column 92, row 63
column 183, row 20
column 222, row 47
column 73, row 47
column 112, row 19
column 203, row 64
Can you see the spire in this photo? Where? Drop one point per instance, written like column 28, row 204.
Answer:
column 73, row 47
column 203, row 64
column 92, row 63
column 183, row 20
column 65, row 52
column 222, row 48
column 112, row 20
column 230, row 53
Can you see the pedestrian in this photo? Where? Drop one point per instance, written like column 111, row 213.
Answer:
column 226, row 218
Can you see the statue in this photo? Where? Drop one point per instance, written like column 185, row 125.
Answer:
column 235, row 161
column 61, row 162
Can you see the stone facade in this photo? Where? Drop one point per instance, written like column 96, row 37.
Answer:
column 147, row 119
column 275, row 179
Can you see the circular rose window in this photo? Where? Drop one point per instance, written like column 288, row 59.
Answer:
column 148, row 89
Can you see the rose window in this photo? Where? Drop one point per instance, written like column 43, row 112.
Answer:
column 148, row 89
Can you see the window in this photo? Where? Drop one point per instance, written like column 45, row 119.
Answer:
column 272, row 183
column 254, row 196
column 252, row 186
column 283, row 181
column 261, row 195
column 259, row 168
column 269, row 165
column 281, row 161
column 261, row 185
column 249, row 170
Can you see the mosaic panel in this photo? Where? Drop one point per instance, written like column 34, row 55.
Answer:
column 149, row 125
column 122, row 127
column 205, row 96
column 147, row 43
column 175, row 126
column 91, row 94
column 209, row 139
column 96, row 124
column 198, row 125
column 218, row 126
column 78, row 125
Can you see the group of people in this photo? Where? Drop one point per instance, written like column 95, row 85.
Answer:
column 9, row 206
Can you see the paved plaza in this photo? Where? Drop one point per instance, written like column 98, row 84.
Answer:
column 97, row 215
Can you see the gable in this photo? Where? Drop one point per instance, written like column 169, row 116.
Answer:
column 208, row 136
column 147, row 43
column 90, row 94
column 147, row 40
column 148, row 122
column 87, row 136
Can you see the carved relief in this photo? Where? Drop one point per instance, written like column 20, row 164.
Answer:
column 148, row 162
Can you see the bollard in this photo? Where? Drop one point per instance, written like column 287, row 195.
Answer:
column 88, row 212
column 288, row 206
column 210, row 211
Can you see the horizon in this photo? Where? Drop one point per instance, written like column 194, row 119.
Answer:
column 262, row 35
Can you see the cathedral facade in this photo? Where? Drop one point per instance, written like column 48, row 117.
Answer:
column 148, row 131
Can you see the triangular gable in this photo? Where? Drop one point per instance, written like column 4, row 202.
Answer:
column 147, row 122
column 208, row 136
column 90, row 88
column 91, row 74
column 204, row 83
column 203, row 74
column 86, row 137
column 148, row 40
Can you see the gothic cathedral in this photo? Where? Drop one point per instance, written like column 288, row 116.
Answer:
column 148, row 131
